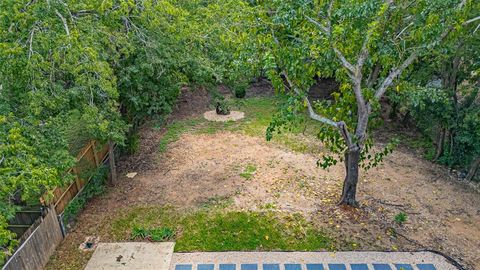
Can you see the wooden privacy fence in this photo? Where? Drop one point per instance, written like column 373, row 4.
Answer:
column 24, row 219
column 40, row 241
column 41, row 231
column 90, row 157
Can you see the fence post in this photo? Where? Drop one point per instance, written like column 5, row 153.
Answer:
column 111, row 160
column 95, row 156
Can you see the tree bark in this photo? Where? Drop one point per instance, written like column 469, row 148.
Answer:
column 352, row 160
column 373, row 77
column 473, row 169
column 111, row 161
column 440, row 144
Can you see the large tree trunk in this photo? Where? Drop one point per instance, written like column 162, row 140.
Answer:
column 352, row 160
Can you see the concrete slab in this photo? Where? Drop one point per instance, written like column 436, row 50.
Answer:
column 314, row 260
column 131, row 255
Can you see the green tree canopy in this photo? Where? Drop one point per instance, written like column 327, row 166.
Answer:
column 366, row 46
column 74, row 70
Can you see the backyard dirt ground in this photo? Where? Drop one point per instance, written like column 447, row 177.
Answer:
column 443, row 213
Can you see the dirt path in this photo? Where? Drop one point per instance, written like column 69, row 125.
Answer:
column 442, row 214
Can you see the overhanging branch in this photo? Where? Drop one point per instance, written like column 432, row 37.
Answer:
column 315, row 116
column 413, row 56
column 323, row 28
column 393, row 74
column 64, row 21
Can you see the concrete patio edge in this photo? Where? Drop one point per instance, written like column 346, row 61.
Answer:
column 393, row 259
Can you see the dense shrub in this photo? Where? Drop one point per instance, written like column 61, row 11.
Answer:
column 240, row 89
column 453, row 125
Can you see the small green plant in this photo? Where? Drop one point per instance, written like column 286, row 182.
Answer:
column 249, row 171
column 268, row 206
column 222, row 108
column 155, row 234
column 132, row 143
column 240, row 89
column 400, row 218
column 221, row 105
column 238, row 86
column 139, row 232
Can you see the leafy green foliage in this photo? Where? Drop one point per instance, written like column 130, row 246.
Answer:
column 434, row 111
column 33, row 161
column 7, row 240
column 94, row 187
column 27, row 171
column 99, row 68
column 441, row 98
column 240, row 89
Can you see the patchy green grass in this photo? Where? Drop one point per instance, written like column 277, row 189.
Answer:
column 158, row 234
column 175, row 130
column 249, row 171
column 214, row 230
column 258, row 115
column 217, row 202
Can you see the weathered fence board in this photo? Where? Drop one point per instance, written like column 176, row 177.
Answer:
column 23, row 220
column 26, row 216
column 88, row 159
column 40, row 244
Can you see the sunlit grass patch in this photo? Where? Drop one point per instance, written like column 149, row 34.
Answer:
column 214, row 230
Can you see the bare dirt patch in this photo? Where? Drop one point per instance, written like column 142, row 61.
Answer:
column 442, row 214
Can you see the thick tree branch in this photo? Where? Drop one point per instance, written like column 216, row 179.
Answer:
column 323, row 28
column 311, row 112
column 362, row 124
column 363, row 55
column 373, row 75
column 472, row 20
column 64, row 21
column 345, row 62
column 30, row 42
column 313, row 115
column 393, row 74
